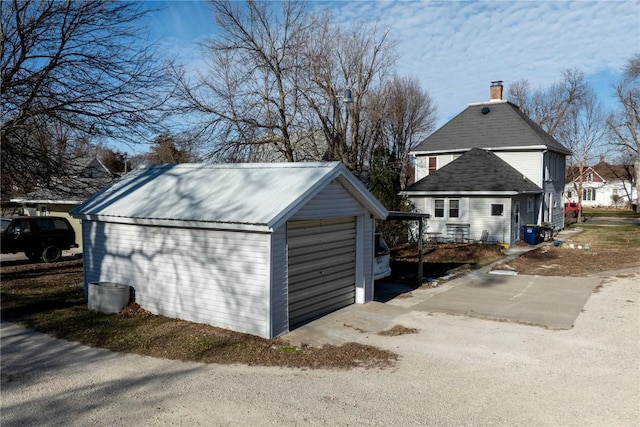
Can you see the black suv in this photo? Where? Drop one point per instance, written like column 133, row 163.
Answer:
column 38, row 237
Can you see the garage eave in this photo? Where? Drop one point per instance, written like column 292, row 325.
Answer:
column 208, row 225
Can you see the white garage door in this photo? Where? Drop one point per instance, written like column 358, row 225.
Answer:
column 322, row 262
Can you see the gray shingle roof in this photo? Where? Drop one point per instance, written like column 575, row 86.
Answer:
column 477, row 171
column 503, row 126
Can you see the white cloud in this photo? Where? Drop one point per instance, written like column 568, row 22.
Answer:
column 457, row 48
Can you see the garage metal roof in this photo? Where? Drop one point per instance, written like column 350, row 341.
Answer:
column 258, row 196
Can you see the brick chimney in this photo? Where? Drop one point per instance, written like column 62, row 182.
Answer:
column 495, row 91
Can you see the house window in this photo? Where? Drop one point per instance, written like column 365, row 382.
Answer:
column 454, row 208
column 497, row 209
column 439, row 208
column 589, row 177
column 432, row 164
column 589, row 194
column 529, row 204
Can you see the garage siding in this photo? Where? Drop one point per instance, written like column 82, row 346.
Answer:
column 322, row 267
column 279, row 289
column 332, row 202
column 210, row 276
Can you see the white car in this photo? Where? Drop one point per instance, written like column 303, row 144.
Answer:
column 381, row 264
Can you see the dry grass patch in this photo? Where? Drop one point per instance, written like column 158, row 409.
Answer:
column 49, row 298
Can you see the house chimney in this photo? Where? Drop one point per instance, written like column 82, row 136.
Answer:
column 495, row 91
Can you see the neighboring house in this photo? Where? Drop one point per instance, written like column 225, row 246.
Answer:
column 603, row 185
column 515, row 175
column 257, row 248
column 87, row 175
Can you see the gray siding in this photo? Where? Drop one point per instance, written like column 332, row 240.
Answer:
column 279, row 287
column 209, row 276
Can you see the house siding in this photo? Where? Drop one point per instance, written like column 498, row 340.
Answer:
column 476, row 213
column 422, row 163
column 529, row 163
column 192, row 274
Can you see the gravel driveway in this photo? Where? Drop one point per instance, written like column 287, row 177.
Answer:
column 456, row 371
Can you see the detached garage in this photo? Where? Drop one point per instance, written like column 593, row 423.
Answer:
column 257, row 248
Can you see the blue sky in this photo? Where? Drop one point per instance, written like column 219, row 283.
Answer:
column 457, row 48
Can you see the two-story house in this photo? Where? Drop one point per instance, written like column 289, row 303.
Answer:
column 487, row 172
column 602, row 185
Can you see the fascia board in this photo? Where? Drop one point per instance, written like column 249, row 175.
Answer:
column 493, row 149
column 227, row 226
column 52, row 202
column 465, row 193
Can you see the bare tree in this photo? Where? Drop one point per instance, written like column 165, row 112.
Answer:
column 358, row 60
column 584, row 132
column 549, row 107
column 249, row 95
column 624, row 123
column 170, row 149
column 410, row 116
column 81, row 65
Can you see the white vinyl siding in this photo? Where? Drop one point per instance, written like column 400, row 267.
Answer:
column 529, row 163
column 333, row 201
column 498, row 227
column 422, row 163
column 209, row 276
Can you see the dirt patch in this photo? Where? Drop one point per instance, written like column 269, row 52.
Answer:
column 442, row 259
column 447, row 253
column 397, row 330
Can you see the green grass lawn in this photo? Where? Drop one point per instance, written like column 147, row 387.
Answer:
column 613, row 213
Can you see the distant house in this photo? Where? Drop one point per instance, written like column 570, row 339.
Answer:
column 603, row 185
column 257, row 248
column 487, row 172
column 86, row 176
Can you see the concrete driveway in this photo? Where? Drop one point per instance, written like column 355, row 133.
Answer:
column 551, row 302
column 548, row 302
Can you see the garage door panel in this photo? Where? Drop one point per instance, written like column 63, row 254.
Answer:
column 319, row 285
column 311, row 263
column 314, row 250
column 320, row 305
column 321, row 266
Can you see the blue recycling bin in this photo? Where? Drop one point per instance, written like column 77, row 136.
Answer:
column 532, row 234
